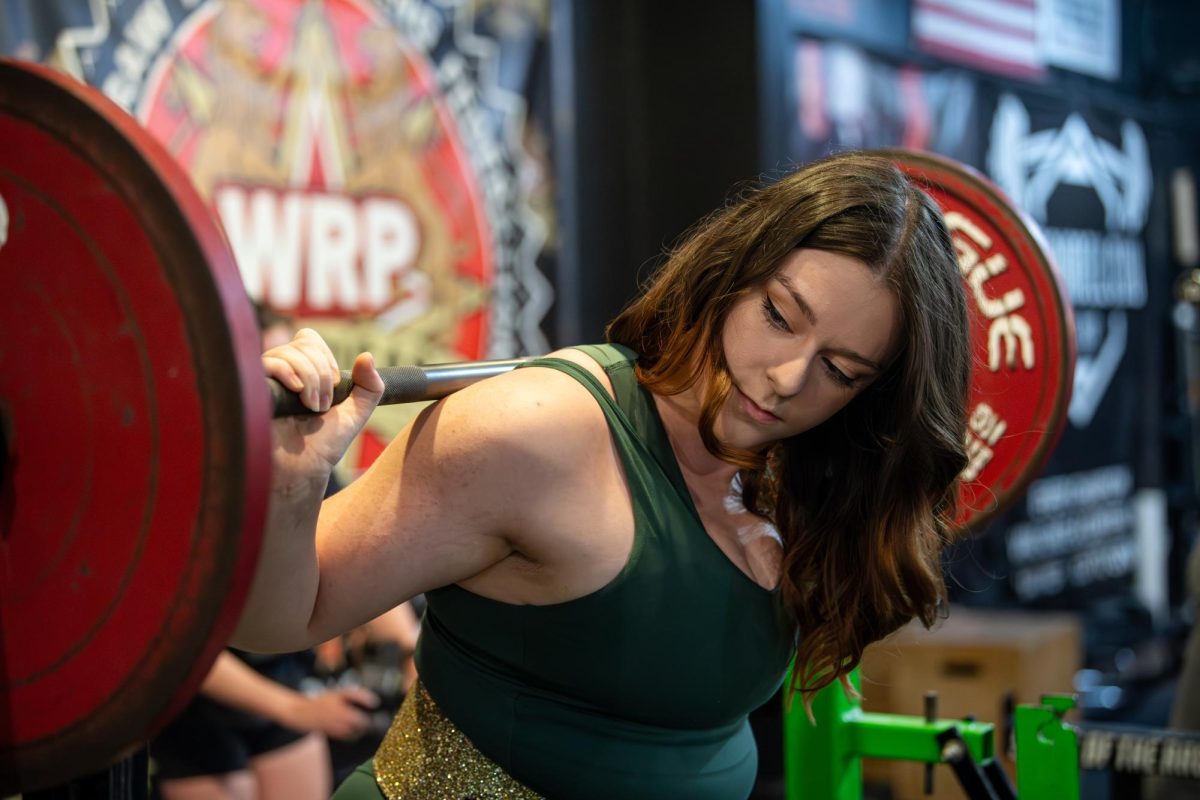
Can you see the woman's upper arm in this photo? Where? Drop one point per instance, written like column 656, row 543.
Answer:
column 449, row 497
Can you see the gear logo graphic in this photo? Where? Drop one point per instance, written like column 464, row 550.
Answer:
column 363, row 160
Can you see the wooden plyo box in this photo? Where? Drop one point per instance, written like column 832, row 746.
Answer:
column 971, row 660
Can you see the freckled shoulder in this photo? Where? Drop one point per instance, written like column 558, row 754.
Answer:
column 542, row 412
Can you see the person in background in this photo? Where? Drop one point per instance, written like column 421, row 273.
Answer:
column 251, row 735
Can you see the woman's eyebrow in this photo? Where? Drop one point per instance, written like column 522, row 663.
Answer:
column 804, row 307
column 808, row 313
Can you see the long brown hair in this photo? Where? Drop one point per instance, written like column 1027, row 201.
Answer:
column 864, row 501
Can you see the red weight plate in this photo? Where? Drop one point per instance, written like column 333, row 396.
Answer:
column 1022, row 334
column 135, row 430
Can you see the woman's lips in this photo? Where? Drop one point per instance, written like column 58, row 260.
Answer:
column 756, row 412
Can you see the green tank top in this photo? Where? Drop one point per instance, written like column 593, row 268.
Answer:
column 640, row 689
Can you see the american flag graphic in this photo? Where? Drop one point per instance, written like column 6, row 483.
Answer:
column 991, row 35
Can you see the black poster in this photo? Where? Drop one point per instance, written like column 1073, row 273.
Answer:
column 1092, row 526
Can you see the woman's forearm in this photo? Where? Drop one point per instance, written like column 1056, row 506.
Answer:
column 234, row 683
column 280, row 604
column 279, row 611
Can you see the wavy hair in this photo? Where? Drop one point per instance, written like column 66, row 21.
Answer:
column 864, row 501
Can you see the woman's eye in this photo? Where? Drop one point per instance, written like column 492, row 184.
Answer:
column 774, row 318
column 838, row 375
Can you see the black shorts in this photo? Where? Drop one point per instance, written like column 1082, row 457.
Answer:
column 209, row 738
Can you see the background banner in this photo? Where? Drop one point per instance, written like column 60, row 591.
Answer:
column 1084, row 173
column 375, row 165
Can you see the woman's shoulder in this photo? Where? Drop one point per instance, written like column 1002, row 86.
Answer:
column 539, row 411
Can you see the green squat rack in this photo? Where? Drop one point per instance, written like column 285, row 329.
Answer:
column 822, row 758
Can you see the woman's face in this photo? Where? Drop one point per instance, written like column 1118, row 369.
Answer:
column 802, row 345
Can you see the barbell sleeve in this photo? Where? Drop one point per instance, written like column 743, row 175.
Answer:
column 405, row 384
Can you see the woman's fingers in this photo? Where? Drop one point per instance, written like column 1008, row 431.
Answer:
column 279, row 369
column 324, row 373
column 307, row 366
column 295, row 370
column 365, row 376
column 360, row 696
column 364, row 394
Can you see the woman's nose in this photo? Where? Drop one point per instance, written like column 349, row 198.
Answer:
column 787, row 376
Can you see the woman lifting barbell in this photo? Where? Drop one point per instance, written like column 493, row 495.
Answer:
column 623, row 546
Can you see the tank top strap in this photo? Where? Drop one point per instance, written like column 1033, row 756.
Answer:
column 618, row 362
column 638, row 405
column 633, row 450
column 631, row 407
column 608, row 355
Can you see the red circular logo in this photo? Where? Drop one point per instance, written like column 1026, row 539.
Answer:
column 1022, row 334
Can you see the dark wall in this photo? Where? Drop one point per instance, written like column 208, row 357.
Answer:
column 665, row 123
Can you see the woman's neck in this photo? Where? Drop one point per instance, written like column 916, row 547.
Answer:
column 680, row 414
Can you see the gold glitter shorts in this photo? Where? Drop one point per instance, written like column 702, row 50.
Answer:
column 425, row 757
